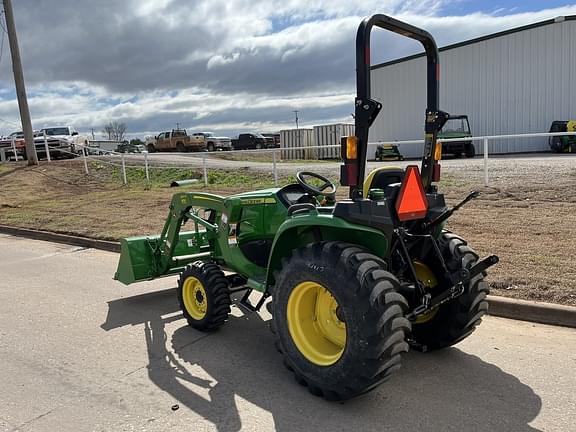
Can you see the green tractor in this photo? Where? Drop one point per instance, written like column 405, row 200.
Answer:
column 388, row 152
column 353, row 283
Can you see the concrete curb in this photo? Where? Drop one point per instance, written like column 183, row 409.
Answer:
column 538, row 312
column 61, row 238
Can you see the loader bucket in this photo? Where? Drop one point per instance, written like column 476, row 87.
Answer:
column 136, row 259
column 138, row 262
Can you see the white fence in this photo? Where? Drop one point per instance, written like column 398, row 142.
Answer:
column 200, row 160
column 485, row 143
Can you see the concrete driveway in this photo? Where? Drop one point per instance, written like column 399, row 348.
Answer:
column 81, row 352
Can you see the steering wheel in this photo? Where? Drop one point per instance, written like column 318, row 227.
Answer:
column 313, row 190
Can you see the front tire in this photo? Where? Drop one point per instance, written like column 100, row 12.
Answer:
column 204, row 296
column 556, row 144
column 211, row 147
column 339, row 319
column 151, row 149
column 458, row 318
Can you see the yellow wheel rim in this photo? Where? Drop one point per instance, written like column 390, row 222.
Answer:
column 314, row 324
column 194, row 297
column 428, row 279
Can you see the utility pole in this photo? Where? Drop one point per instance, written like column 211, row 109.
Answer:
column 93, row 137
column 298, row 140
column 20, row 86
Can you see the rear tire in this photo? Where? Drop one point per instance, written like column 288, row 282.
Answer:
column 180, row 147
column 458, row 318
column 361, row 296
column 470, row 151
column 211, row 147
column 204, row 296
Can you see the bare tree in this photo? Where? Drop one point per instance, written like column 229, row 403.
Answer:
column 119, row 130
column 115, row 130
column 108, row 130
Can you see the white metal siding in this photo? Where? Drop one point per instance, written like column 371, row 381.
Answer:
column 291, row 138
column 516, row 83
column 329, row 135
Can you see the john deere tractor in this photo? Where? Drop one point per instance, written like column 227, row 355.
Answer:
column 350, row 284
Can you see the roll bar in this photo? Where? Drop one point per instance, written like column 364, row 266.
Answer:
column 366, row 109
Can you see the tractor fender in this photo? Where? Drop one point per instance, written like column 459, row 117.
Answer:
column 301, row 230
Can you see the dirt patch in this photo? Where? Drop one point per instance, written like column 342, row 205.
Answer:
column 527, row 217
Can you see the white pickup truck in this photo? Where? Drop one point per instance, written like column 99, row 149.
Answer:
column 213, row 142
column 63, row 141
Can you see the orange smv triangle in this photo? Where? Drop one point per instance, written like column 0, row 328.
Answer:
column 411, row 203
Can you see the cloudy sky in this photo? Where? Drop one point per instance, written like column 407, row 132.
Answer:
column 222, row 65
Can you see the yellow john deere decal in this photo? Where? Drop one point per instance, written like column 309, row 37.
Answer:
column 206, row 198
column 258, row 201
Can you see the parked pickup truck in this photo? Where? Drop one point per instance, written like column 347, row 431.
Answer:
column 213, row 142
column 63, row 141
column 128, row 147
column 19, row 144
column 251, row 141
column 174, row 140
column 274, row 139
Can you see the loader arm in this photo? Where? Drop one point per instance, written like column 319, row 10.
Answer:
column 148, row 257
column 180, row 212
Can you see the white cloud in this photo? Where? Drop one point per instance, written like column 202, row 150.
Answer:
column 212, row 64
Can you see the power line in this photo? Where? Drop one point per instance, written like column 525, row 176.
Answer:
column 19, row 83
column 2, row 23
column 3, row 33
column 8, row 121
column 2, row 52
column 2, row 44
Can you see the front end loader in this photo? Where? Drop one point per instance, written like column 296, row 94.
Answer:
column 353, row 283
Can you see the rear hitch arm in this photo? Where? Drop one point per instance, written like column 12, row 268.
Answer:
column 457, row 289
column 472, row 195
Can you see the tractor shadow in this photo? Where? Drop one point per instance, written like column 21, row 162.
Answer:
column 217, row 375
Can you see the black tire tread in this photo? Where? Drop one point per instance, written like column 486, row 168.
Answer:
column 458, row 318
column 386, row 328
column 217, row 290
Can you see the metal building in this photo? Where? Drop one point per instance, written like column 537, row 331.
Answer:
column 326, row 136
column 515, row 81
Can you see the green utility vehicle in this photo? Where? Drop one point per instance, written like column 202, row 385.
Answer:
column 388, row 152
column 352, row 283
column 456, row 127
column 563, row 143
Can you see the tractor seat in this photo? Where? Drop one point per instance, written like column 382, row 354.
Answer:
column 381, row 178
